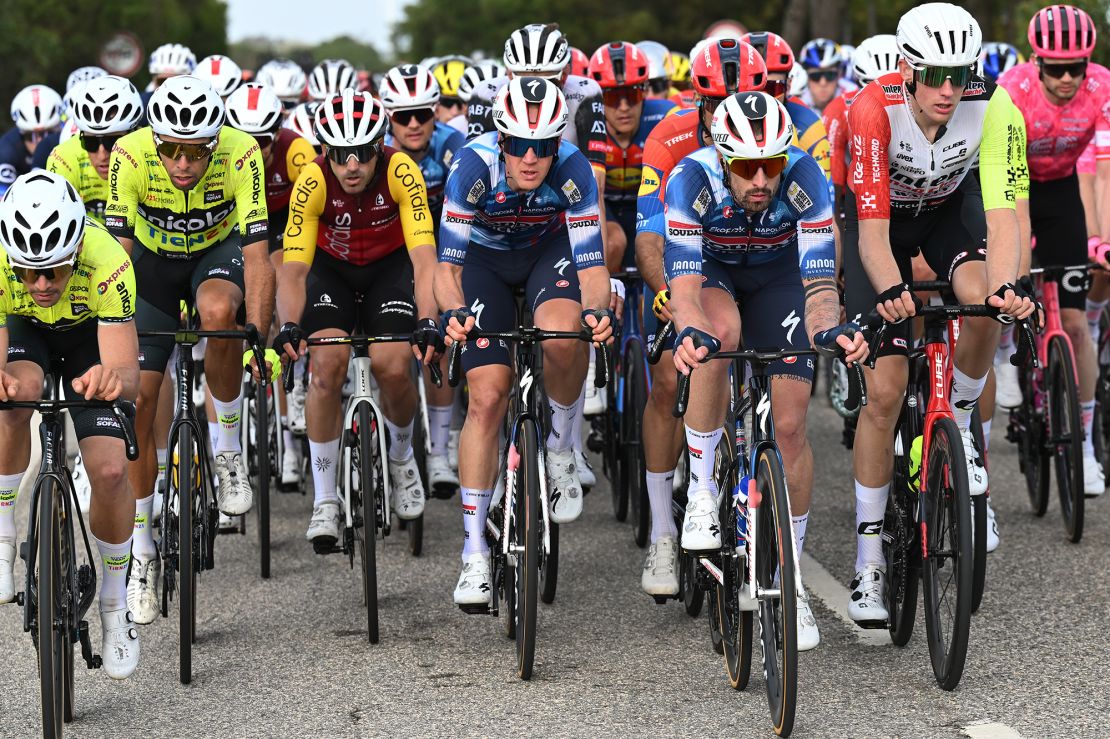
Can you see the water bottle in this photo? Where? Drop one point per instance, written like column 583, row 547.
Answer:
column 740, row 503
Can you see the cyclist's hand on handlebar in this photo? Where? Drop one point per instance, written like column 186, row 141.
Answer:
column 1027, row 289
column 456, row 324
column 897, row 303
column 845, row 340
column 99, row 383
column 9, row 386
column 693, row 346
column 426, row 341
column 1010, row 303
column 290, row 340
column 600, row 322
column 660, row 308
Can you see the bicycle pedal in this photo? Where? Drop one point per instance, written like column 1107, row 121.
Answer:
column 474, row 609
column 880, row 624
column 19, row 599
column 661, row 600
column 23, row 550
column 444, row 491
column 325, row 545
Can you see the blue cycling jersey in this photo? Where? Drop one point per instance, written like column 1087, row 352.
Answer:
column 480, row 207
column 14, row 159
column 441, row 149
column 703, row 219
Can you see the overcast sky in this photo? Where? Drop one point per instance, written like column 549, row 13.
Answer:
column 312, row 21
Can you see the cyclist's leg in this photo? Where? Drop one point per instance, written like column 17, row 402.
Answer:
column 663, row 434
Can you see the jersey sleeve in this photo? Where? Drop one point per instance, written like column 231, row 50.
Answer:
column 1003, row 171
column 836, row 124
column 116, row 294
column 1102, row 119
column 589, row 122
column 249, row 191
column 299, row 154
column 687, row 190
column 583, row 218
column 807, row 192
column 870, row 174
column 468, row 182
column 455, row 141
column 60, row 161
column 123, row 193
column 5, row 295
column 305, row 206
column 406, row 185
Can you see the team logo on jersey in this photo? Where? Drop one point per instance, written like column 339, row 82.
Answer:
column 798, row 197
column 701, row 202
column 727, row 211
column 379, row 201
column 477, row 190
column 571, row 191
column 336, row 203
column 500, row 197
column 482, row 343
column 562, row 283
column 649, row 181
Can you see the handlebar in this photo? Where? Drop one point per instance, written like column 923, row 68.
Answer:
column 124, row 411
column 655, row 348
column 530, row 335
column 191, row 337
column 877, row 326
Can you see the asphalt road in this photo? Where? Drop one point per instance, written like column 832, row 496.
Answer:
column 289, row 656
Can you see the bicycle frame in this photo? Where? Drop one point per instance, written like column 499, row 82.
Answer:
column 1050, row 291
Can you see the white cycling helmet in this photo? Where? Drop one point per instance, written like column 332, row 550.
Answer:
column 186, row 107
column 408, row 87
column 224, row 75
column 301, row 120
column 659, row 59
column 286, row 78
column 254, row 108
column 875, row 57
column 42, row 221
column 172, row 59
column 797, row 80
column 350, row 118
column 106, row 105
column 537, row 48
column 36, row 108
column 939, row 35
column 84, row 74
column 752, row 125
column 476, row 74
column 530, row 108
column 329, row 77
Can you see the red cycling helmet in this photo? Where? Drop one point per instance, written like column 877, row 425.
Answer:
column 776, row 53
column 727, row 66
column 619, row 64
column 579, row 62
column 1062, row 32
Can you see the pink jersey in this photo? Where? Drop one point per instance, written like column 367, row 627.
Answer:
column 1058, row 134
column 1086, row 163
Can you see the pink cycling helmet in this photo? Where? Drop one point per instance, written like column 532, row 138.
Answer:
column 1062, row 32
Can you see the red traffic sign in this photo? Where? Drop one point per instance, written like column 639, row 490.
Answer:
column 122, row 54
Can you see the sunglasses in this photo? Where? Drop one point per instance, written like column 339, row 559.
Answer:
column 342, row 154
column 612, row 97
column 31, row 275
column 776, row 88
column 404, row 117
column 92, row 143
column 935, row 76
column 827, row 75
column 447, row 102
column 1057, row 71
column 748, row 168
column 192, row 152
column 519, row 147
column 34, row 137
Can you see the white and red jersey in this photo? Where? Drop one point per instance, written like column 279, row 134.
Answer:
column 835, row 118
column 1058, row 134
column 898, row 172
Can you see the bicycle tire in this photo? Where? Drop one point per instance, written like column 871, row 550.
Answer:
column 368, row 474
column 527, row 543
column 415, row 529
column 978, row 523
column 72, row 578
column 900, row 543
column 778, row 617
column 693, row 595
column 187, row 555
column 613, row 462
column 634, row 469
column 946, row 530
column 725, row 454
column 733, row 624
column 262, row 451
column 48, row 608
column 1066, row 435
column 1033, row 450
column 549, row 565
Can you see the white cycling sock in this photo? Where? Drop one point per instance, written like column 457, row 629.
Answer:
column 965, row 392
column 114, row 559
column 1094, row 312
column 659, row 498
column 439, row 427
column 562, row 419
column 703, row 451
column 799, row 525
column 162, row 455
column 870, row 508
column 228, row 415
column 290, row 442
column 213, row 435
column 576, row 424
column 325, row 465
column 143, row 535
column 1087, row 413
column 475, row 505
column 9, row 491
column 400, row 447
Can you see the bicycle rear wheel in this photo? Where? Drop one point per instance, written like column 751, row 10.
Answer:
column 50, row 610
column 633, row 471
column 947, row 562
column 1027, row 421
column 365, row 479
column 778, row 615
column 262, row 444
column 733, row 625
column 1065, row 434
column 526, row 545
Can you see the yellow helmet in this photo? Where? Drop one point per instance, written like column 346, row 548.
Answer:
column 680, row 67
column 449, row 72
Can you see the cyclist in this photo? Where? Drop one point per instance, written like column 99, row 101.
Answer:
column 409, row 94
column 330, row 77
column 178, row 189
column 169, row 60
column 37, row 112
column 682, row 89
column 359, row 230
column 287, row 80
column 1064, row 99
column 915, row 135
column 224, row 75
column 730, row 66
column 822, row 59
column 475, row 75
column 451, row 108
column 579, row 62
column 996, row 58
column 659, row 69
column 302, row 121
column 520, row 209
column 51, row 312
column 749, row 220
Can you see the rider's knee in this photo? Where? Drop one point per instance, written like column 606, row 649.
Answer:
column 485, row 404
column 218, row 312
column 394, row 373
column 328, row 373
column 107, row 472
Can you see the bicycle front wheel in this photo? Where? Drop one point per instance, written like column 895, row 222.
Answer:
column 262, row 431
column 365, row 478
column 633, row 470
column 186, row 480
column 1065, row 434
column 778, row 615
column 50, row 632
column 947, row 560
column 526, row 544
column 1028, row 422
column 978, row 525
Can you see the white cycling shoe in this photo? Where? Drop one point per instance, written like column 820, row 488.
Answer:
column 119, row 645
column 586, row 475
column 809, row 636
column 660, row 575
column 406, row 490
column 234, row 495
column 296, row 419
column 867, row 603
column 323, row 527
column 142, row 589
column 1094, row 483
column 7, row 572
column 441, row 477
column 1007, row 391
column 474, row 588
column 595, row 402
column 992, row 529
column 564, row 490
column 976, row 471
column 701, row 528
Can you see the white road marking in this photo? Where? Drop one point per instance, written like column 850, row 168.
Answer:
column 818, row 581
column 990, row 730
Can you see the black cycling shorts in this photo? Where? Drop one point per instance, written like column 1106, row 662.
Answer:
column 71, row 352
column 376, row 298
column 1060, row 227
column 163, row 282
column 278, row 221
column 953, row 233
column 546, row 271
column 625, row 215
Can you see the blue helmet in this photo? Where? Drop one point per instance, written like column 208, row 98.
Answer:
column 996, row 58
column 820, row 53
